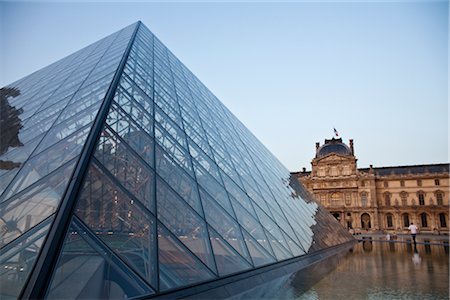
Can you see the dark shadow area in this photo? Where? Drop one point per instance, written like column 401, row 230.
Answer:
column 10, row 125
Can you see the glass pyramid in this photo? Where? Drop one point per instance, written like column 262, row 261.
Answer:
column 122, row 175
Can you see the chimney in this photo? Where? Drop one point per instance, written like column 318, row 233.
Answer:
column 317, row 145
column 351, row 147
column 303, row 170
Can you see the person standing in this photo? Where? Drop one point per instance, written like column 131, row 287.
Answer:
column 413, row 228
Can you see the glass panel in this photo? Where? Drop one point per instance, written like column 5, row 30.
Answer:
column 227, row 259
column 49, row 160
column 17, row 260
column 224, row 224
column 34, row 205
column 251, row 225
column 259, row 255
column 184, row 223
column 138, row 138
column 178, row 179
column 128, row 169
column 119, row 221
column 88, row 270
column 215, row 189
column 177, row 267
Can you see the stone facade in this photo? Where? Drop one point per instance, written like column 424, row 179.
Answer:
column 373, row 199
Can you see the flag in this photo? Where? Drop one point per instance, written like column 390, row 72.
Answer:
column 335, row 132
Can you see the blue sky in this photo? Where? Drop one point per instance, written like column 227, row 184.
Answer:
column 377, row 71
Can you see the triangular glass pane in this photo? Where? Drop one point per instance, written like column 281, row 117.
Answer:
column 184, row 223
column 214, row 188
column 259, row 255
column 295, row 249
column 227, row 259
column 280, row 251
column 271, row 227
column 88, row 270
column 177, row 267
column 33, row 205
column 47, row 161
column 17, row 260
column 178, row 179
column 121, row 161
column 119, row 220
column 224, row 224
column 251, row 225
column 134, row 135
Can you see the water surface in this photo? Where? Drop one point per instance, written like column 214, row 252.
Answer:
column 387, row 270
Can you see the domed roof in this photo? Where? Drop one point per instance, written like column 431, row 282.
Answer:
column 333, row 146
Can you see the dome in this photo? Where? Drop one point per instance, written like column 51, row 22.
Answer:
column 333, row 146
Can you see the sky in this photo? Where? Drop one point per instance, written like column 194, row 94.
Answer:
column 291, row 71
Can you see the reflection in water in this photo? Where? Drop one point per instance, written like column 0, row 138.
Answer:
column 387, row 272
column 10, row 124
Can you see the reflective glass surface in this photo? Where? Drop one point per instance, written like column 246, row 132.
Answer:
column 176, row 192
column 45, row 119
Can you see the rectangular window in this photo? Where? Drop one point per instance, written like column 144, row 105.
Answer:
column 389, row 221
column 402, row 183
column 436, row 182
column 419, row 182
column 421, row 199
column 348, row 199
column 440, row 199
column 386, row 184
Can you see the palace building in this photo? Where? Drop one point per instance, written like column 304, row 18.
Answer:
column 378, row 198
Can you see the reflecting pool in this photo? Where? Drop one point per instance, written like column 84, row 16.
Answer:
column 387, row 270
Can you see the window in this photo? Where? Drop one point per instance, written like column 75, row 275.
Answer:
column 389, row 221
column 363, row 183
column 346, row 170
column 421, row 198
column 402, row 183
column 336, row 199
column 437, row 182
column 334, row 171
column 439, row 198
column 419, row 182
column 424, row 219
column 321, row 172
column 386, row 184
column 442, row 220
column 323, row 198
column 348, row 199
column 405, row 220
column 387, row 199
column 363, row 199
column 404, row 197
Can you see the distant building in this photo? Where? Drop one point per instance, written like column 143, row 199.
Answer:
column 385, row 198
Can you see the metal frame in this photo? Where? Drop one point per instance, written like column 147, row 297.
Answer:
column 40, row 277
column 252, row 278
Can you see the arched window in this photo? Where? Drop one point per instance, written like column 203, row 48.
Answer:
column 389, row 221
column 424, row 219
column 442, row 220
column 439, row 198
column 421, row 196
column 363, row 199
column 405, row 218
column 365, row 221
column 387, row 199
column 404, row 197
